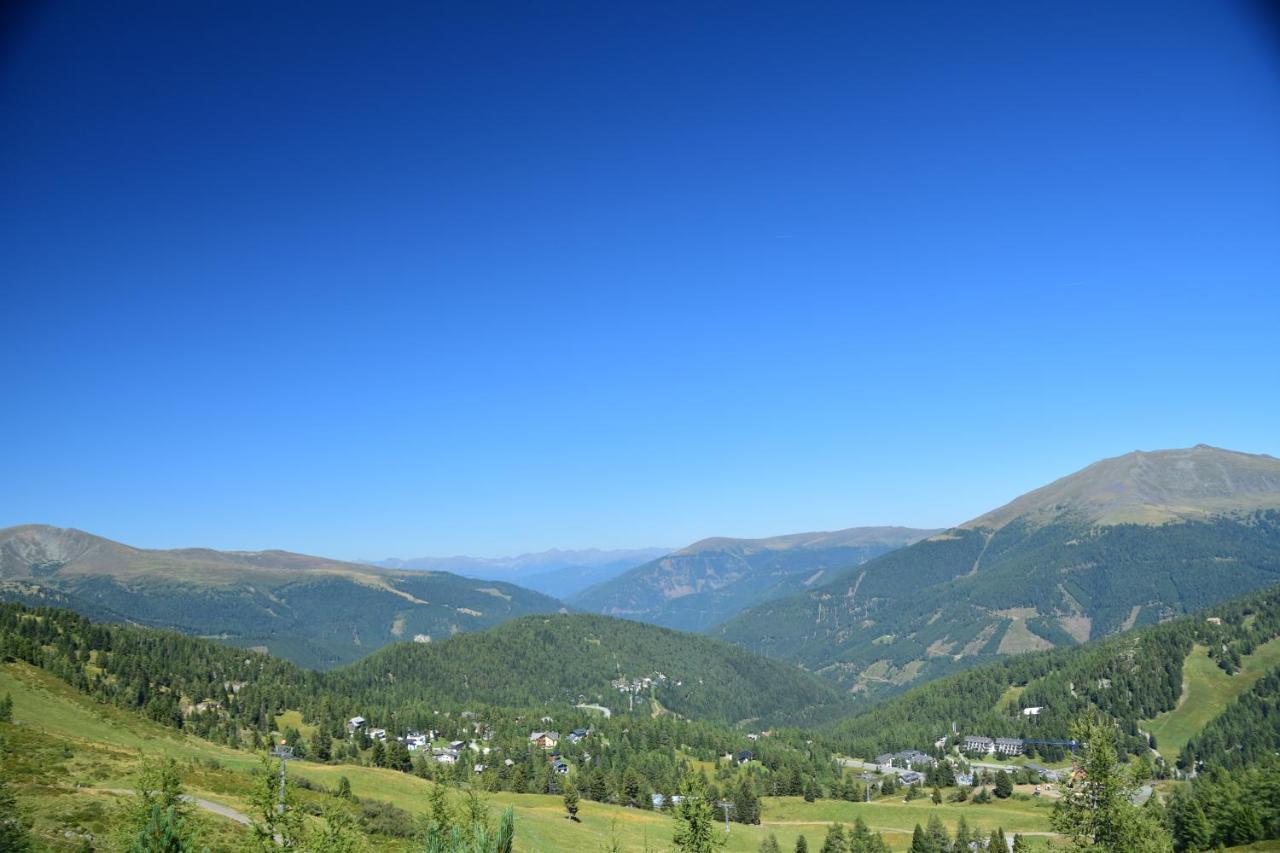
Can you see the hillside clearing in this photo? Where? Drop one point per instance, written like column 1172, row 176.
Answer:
column 1206, row 692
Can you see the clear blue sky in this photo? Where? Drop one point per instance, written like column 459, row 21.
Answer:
column 366, row 281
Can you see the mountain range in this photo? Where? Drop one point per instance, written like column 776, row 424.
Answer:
column 709, row 581
column 1127, row 541
column 559, row 573
column 312, row 610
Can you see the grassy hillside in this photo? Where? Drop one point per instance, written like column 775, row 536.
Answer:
column 70, row 752
column 311, row 610
column 709, row 581
column 1206, row 693
column 574, row 658
column 1052, row 569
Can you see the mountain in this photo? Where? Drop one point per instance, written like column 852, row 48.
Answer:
column 538, row 661
column 556, row 572
column 1127, row 541
column 311, row 610
column 1138, row 678
column 709, row 581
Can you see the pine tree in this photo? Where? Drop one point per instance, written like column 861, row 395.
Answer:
column 835, row 841
column 920, row 842
column 1191, row 830
column 1004, row 785
column 571, row 800
column 770, row 845
column 936, row 796
column 6, row 709
column 746, row 805
column 802, row 845
column 696, row 830
column 1100, row 810
column 344, row 788
column 164, row 833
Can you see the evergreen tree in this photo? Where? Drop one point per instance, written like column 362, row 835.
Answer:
column 344, row 788
column 165, row 832
column 939, row 840
column 746, row 805
column 770, row 845
column 835, row 841
column 936, row 796
column 6, row 709
column 1099, row 810
column 696, row 830
column 802, row 845
column 1004, row 785
column 571, row 800
column 920, row 842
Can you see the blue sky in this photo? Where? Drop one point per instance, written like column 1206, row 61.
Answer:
column 471, row 278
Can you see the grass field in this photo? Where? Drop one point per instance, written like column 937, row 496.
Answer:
column 69, row 752
column 1206, row 692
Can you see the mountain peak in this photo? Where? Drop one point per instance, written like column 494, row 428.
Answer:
column 1151, row 487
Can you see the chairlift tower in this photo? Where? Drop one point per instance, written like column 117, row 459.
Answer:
column 727, row 807
column 284, row 752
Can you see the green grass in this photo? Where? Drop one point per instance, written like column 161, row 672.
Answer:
column 1206, row 692
column 294, row 719
column 68, row 749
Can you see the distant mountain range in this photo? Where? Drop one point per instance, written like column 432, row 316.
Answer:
column 699, row 586
column 311, row 610
column 1126, row 541
column 556, row 572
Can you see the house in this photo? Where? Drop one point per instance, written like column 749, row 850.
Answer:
column 1009, row 745
column 202, row 707
column 743, row 756
column 544, row 740
column 355, row 724
column 658, row 800
column 560, row 767
column 885, row 761
column 1214, row 620
column 479, row 768
column 911, row 777
column 508, row 762
column 456, row 745
column 753, row 736
column 378, row 734
column 979, row 745
column 914, row 757
column 577, row 735
column 415, row 741
column 964, row 780
column 1033, row 711
column 445, row 756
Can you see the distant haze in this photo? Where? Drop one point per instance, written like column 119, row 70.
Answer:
column 555, row 572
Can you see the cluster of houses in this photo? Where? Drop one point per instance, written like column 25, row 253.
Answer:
column 979, row 745
column 549, row 740
column 421, row 742
column 638, row 685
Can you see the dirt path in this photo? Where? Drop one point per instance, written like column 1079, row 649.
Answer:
column 199, row 802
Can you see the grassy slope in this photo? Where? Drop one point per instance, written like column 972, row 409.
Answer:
column 1206, row 692
column 104, row 745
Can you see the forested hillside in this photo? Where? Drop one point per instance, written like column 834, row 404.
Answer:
column 578, row 658
column 1131, row 678
column 311, row 610
column 1055, row 568
column 710, row 581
